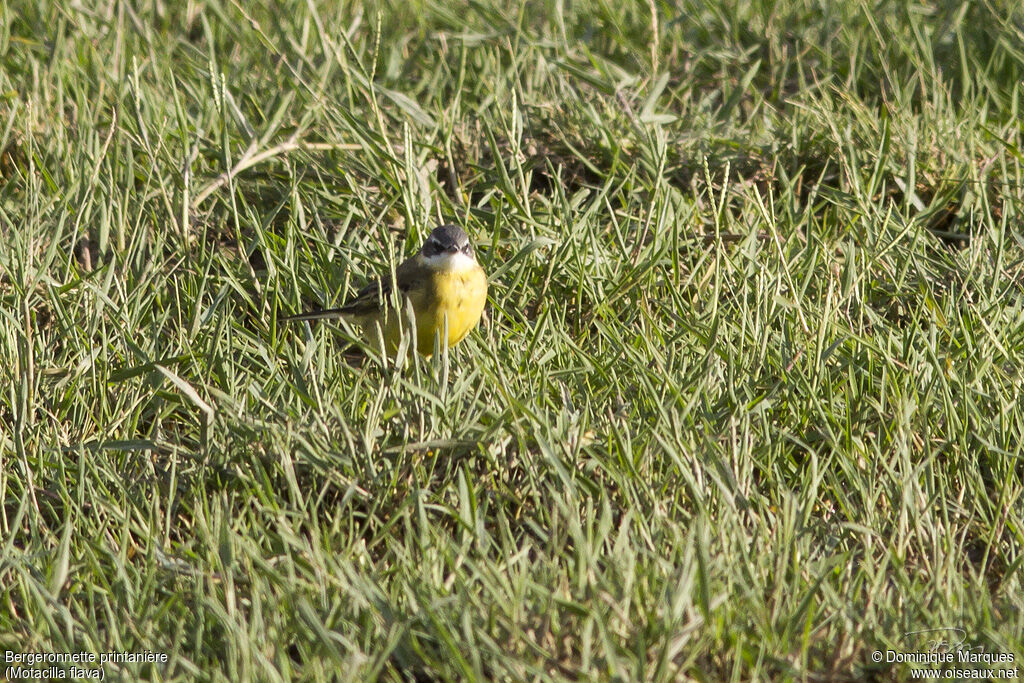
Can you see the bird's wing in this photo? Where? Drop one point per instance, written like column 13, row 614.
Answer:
column 368, row 300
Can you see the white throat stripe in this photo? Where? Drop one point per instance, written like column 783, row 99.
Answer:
column 449, row 262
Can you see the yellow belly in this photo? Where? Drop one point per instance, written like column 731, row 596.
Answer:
column 450, row 302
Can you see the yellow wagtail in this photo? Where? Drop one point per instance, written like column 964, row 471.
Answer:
column 443, row 284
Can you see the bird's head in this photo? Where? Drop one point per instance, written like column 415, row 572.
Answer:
column 448, row 247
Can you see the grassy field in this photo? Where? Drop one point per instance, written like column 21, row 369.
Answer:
column 744, row 405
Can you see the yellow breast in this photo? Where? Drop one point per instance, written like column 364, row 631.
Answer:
column 451, row 301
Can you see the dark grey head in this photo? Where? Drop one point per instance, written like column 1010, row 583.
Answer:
column 447, row 239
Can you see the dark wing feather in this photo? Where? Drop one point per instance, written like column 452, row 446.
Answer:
column 367, row 300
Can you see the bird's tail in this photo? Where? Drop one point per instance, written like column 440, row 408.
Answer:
column 317, row 315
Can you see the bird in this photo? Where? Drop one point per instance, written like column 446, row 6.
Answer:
column 443, row 284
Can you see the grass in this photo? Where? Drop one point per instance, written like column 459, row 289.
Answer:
column 744, row 406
